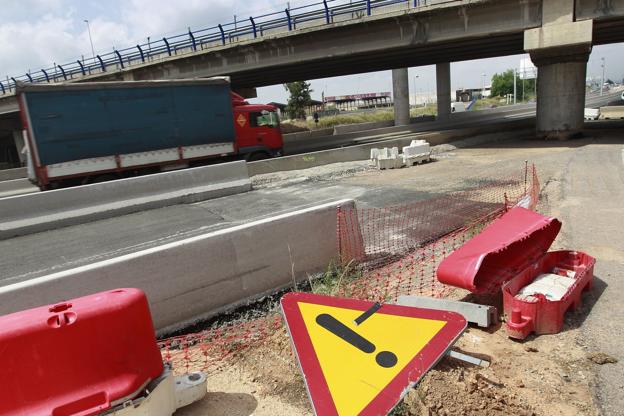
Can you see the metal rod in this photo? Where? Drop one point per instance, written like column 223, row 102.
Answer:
column 90, row 39
column 102, row 64
column 253, row 25
column 119, row 58
column 81, row 67
column 468, row 359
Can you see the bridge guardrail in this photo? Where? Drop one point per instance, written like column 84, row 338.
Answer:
column 323, row 12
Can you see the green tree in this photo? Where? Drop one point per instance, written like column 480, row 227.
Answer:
column 503, row 84
column 299, row 99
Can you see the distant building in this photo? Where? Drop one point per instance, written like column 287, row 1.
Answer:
column 468, row 94
column 281, row 108
column 359, row 101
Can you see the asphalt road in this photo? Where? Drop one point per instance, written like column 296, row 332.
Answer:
column 591, row 207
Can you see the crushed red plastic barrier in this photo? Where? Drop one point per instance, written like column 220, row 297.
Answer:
column 384, row 253
column 512, row 254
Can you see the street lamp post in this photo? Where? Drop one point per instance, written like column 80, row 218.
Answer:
column 483, row 86
column 415, row 95
column 90, row 39
column 603, row 76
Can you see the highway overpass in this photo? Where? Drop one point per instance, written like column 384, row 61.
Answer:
column 381, row 35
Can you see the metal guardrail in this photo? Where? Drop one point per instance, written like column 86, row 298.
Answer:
column 290, row 19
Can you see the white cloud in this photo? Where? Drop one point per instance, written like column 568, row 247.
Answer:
column 36, row 33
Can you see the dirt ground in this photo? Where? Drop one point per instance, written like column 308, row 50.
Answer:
column 545, row 375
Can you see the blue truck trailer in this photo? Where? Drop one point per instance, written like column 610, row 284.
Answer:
column 81, row 133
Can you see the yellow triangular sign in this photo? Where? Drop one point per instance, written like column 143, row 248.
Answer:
column 364, row 369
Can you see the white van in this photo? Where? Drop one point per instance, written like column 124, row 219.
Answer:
column 458, row 107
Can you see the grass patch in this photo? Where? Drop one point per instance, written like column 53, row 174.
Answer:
column 335, row 280
column 355, row 118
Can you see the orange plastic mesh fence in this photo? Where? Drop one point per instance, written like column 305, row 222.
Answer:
column 385, row 253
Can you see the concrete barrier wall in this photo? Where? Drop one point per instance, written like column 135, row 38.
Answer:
column 521, row 128
column 353, row 128
column 14, row 185
column 10, row 174
column 201, row 276
column 305, row 135
column 614, row 112
column 42, row 211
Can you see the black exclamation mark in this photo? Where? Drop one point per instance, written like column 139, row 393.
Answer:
column 385, row 359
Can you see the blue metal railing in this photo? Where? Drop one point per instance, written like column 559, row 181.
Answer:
column 323, row 12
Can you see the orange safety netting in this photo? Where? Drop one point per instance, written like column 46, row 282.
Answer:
column 384, row 253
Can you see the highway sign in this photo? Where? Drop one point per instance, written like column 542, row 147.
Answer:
column 359, row 357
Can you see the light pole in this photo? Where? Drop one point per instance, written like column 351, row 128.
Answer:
column 415, row 95
column 90, row 39
column 483, row 86
column 603, row 76
column 515, row 86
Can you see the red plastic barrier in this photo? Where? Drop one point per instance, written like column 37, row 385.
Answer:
column 500, row 251
column 510, row 254
column 77, row 358
column 543, row 316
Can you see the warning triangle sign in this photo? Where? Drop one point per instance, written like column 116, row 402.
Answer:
column 358, row 357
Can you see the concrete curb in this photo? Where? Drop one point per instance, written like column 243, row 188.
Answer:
column 27, row 214
column 16, row 186
column 201, row 276
column 10, row 174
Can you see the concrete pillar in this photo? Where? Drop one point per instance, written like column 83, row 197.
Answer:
column 560, row 49
column 443, row 86
column 18, row 139
column 400, row 92
column 561, row 96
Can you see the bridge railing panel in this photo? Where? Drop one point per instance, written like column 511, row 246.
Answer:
column 310, row 15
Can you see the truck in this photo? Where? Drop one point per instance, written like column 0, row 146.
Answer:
column 80, row 133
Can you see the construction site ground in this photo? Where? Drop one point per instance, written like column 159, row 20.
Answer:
column 570, row 373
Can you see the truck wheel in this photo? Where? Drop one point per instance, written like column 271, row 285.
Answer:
column 253, row 157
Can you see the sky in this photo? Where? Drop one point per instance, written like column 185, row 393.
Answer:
column 36, row 34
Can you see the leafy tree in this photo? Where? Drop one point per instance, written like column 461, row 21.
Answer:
column 299, row 98
column 503, row 84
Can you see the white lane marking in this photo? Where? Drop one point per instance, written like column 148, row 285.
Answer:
column 623, row 156
column 530, row 113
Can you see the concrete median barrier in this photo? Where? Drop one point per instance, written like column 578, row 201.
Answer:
column 204, row 275
column 614, row 112
column 462, row 137
column 10, row 174
column 16, row 186
column 27, row 214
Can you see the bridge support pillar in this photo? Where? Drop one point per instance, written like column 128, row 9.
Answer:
column 400, row 94
column 443, row 86
column 560, row 50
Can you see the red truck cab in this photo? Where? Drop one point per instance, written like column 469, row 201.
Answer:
column 258, row 134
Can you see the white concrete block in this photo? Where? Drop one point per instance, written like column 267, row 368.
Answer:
column 389, row 163
column 416, row 159
column 374, row 154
